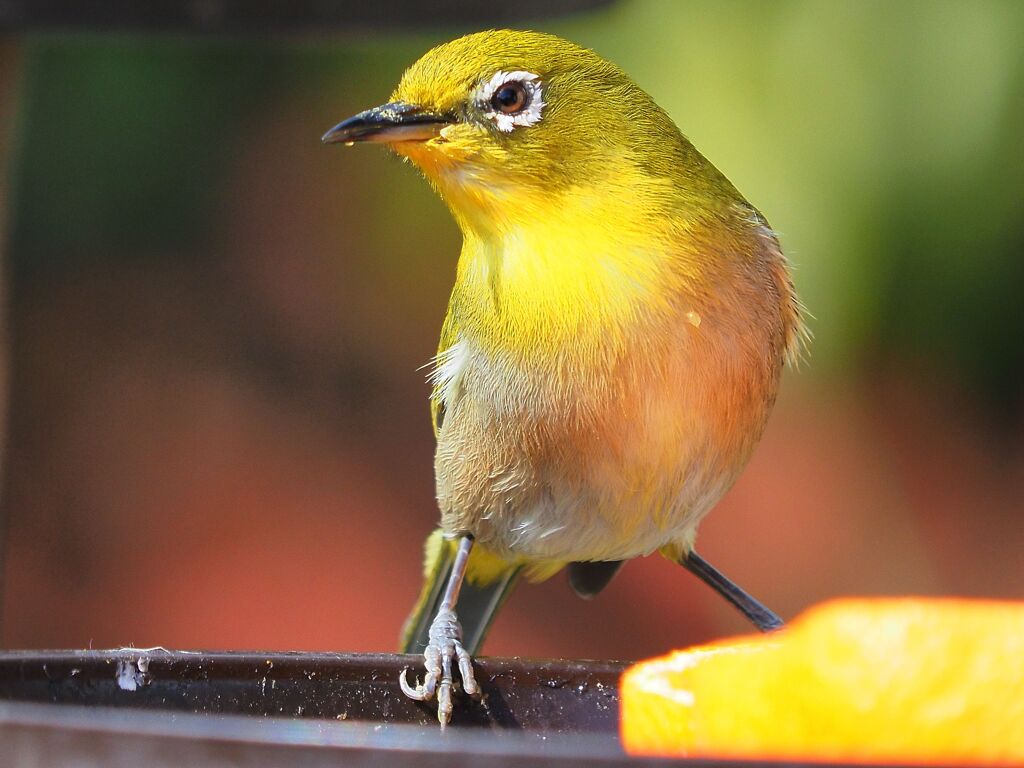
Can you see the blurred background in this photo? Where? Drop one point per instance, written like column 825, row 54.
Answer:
column 218, row 435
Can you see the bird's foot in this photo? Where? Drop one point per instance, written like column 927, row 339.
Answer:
column 444, row 647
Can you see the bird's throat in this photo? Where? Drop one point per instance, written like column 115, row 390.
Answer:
column 547, row 269
column 579, row 272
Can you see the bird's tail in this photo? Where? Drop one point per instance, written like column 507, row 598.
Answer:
column 489, row 580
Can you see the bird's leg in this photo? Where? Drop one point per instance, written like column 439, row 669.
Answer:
column 445, row 645
column 760, row 616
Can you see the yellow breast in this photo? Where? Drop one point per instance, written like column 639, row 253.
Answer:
column 589, row 376
column 568, row 275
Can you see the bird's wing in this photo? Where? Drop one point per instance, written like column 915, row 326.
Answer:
column 489, row 579
column 449, row 334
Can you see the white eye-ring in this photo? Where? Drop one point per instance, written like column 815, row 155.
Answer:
column 511, row 99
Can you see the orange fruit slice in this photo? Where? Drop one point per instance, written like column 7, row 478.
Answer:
column 872, row 680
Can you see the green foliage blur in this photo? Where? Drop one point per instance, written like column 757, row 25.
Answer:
column 882, row 140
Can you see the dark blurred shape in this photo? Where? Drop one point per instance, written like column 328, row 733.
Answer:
column 980, row 305
column 10, row 66
column 298, row 16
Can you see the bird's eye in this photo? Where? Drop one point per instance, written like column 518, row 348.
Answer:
column 510, row 98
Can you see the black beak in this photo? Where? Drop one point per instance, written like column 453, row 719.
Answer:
column 389, row 123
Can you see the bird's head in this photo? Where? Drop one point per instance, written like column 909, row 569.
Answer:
column 506, row 116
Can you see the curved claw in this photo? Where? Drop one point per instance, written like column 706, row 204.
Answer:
column 416, row 694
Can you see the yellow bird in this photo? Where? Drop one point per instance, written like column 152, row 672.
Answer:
column 614, row 341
